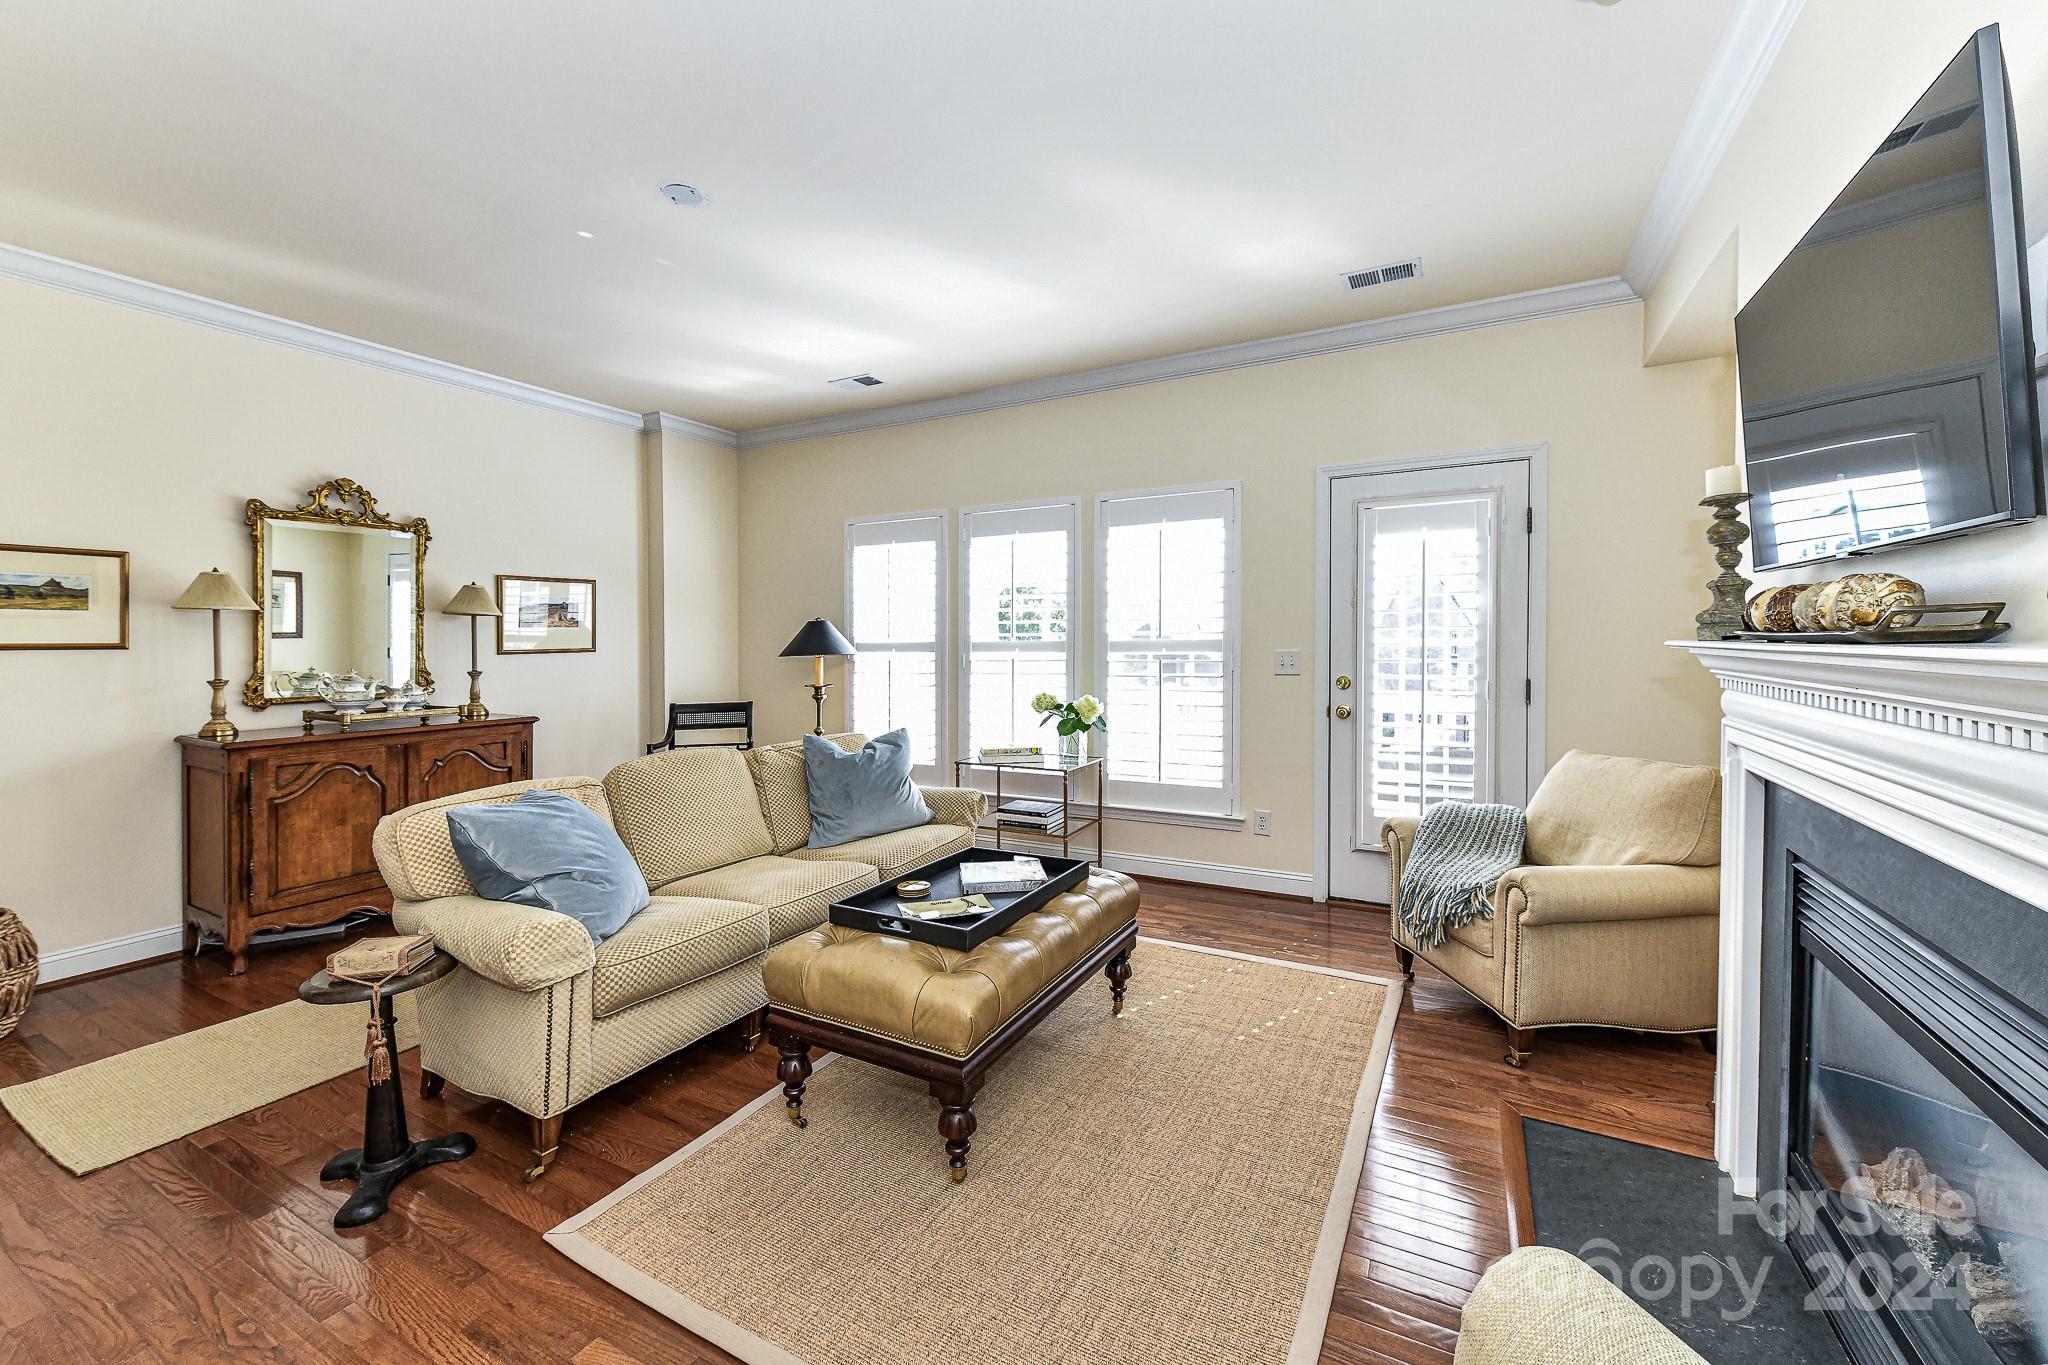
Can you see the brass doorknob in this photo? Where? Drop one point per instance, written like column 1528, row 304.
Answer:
column 1343, row 682
column 1343, row 713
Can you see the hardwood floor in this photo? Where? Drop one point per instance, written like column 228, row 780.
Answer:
column 219, row 1245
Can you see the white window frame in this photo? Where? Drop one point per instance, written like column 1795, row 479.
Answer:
column 942, row 649
column 1122, row 793
column 963, row 619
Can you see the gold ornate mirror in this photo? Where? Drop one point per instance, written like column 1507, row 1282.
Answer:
column 340, row 586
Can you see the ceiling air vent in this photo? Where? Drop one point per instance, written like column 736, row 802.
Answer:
column 857, row 382
column 1383, row 274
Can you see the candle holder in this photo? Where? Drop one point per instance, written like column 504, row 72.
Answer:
column 1726, row 533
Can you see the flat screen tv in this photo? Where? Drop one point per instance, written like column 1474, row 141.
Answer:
column 1888, row 365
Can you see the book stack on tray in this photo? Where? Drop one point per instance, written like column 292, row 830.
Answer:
column 1039, row 817
column 1001, row 874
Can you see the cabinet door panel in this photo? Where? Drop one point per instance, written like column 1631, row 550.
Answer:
column 444, row 766
column 312, row 812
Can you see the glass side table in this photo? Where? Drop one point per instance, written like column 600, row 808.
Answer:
column 1048, row 763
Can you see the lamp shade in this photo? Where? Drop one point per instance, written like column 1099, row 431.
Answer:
column 818, row 636
column 472, row 600
column 215, row 591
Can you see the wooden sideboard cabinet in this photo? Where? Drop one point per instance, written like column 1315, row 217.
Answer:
column 278, row 822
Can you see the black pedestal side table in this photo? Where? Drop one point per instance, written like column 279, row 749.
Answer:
column 388, row 1154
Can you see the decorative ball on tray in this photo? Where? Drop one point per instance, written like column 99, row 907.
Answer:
column 1862, row 599
column 1771, row 609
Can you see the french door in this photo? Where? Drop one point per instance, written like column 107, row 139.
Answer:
column 1428, row 687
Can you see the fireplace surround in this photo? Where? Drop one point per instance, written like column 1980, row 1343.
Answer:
column 1883, row 1069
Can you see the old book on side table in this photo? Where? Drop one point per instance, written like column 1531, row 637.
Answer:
column 278, row 822
column 388, row 1154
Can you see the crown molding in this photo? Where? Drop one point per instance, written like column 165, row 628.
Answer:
column 92, row 282
column 1460, row 317
column 672, row 425
column 1755, row 35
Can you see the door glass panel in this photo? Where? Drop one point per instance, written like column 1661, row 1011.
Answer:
column 1425, row 592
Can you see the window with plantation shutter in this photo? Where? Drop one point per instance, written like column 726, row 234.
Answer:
column 1167, row 635
column 1016, row 596
column 895, row 601
column 1428, row 585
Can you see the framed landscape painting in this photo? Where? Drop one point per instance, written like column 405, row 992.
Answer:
column 546, row 615
column 52, row 598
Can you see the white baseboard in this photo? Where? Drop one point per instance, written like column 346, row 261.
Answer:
column 1298, row 884
column 114, row 952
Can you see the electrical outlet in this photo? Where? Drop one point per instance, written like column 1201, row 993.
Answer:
column 1262, row 822
column 1286, row 663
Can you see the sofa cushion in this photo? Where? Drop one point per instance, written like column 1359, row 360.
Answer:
column 552, row 852
column 1597, row 811
column 855, row 795
column 687, row 810
column 416, row 855
column 676, row 940
column 892, row 855
column 778, row 771
column 795, row 892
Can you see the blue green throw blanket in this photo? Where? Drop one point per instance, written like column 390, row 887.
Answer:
column 1461, row 851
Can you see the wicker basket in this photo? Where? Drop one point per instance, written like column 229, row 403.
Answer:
column 19, row 966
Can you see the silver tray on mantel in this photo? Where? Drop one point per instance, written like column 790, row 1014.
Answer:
column 1901, row 626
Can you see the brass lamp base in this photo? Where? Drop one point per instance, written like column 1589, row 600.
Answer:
column 474, row 708
column 218, row 727
column 818, row 691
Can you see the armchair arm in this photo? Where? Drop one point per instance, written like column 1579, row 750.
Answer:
column 1398, row 834
column 955, row 805
column 1579, row 895
column 516, row 946
column 1541, row 1304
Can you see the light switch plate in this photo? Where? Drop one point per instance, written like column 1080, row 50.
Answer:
column 1286, row 663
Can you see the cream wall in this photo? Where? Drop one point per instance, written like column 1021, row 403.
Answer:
column 121, row 429
column 1627, row 557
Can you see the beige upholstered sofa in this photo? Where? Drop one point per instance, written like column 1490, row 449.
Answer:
column 537, row 1018
column 1614, row 918
column 1542, row 1306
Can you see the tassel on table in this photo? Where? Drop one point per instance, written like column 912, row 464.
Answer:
column 375, row 1049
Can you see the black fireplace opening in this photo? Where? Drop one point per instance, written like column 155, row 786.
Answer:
column 1916, row 1122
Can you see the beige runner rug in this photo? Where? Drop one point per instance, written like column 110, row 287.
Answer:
column 1171, row 1186
column 121, row 1106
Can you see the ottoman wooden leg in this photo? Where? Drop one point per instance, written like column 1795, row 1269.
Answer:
column 956, row 1125
column 1119, row 973
column 430, row 1085
column 793, row 1070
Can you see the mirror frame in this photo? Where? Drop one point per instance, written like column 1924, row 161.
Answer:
column 352, row 506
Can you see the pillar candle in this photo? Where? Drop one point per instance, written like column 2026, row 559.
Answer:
column 1723, row 481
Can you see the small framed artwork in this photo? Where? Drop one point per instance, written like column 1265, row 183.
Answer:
column 53, row 598
column 287, row 604
column 546, row 615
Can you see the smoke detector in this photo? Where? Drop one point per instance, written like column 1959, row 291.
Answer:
column 1383, row 274
column 683, row 196
column 856, row 382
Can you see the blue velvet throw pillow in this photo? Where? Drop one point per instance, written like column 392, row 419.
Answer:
column 859, row 794
column 552, row 852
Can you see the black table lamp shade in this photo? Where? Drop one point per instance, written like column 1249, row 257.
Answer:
column 818, row 636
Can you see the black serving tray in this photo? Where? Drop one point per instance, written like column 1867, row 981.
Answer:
column 874, row 908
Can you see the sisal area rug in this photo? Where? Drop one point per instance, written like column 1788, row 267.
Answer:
column 121, row 1106
column 1171, row 1186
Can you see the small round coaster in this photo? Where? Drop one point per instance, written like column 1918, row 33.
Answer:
column 913, row 890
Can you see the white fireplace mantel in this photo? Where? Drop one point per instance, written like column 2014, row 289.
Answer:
column 1943, row 748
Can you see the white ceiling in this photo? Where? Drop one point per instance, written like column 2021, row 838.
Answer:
column 951, row 195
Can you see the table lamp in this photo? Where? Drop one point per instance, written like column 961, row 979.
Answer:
column 214, row 591
column 818, row 638
column 472, row 601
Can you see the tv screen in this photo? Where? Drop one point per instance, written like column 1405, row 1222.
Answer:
column 1887, row 365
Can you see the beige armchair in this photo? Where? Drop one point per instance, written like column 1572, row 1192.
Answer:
column 1613, row 920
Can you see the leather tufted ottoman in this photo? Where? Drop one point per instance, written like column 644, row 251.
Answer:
column 938, row 1014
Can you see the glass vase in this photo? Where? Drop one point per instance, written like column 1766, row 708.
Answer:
column 1074, row 747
